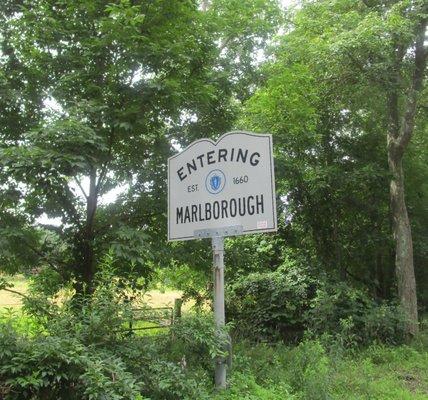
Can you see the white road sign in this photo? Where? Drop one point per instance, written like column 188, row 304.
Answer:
column 214, row 185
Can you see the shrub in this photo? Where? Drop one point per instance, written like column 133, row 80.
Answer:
column 196, row 338
column 287, row 302
column 263, row 371
column 81, row 350
column 78, row 364
column 309, row 370
column 270, row 305
column 352, row 317
column 178, row 364
column 52, row 367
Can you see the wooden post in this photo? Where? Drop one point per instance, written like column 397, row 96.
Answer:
column 177, row 309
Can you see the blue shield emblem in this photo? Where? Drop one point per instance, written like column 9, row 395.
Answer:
column 215, row 182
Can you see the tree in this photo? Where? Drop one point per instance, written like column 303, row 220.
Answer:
column 354, row 55
column 400, row 131
column 127, row 80
column 120, row 73
column 395, row 61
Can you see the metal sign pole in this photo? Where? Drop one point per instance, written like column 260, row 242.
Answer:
column 219, row 314
column 217, row 239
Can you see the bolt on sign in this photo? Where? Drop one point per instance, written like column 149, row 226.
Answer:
column 215, row 185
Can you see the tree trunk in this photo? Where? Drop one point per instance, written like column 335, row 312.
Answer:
column 89, row 256
column 401, row 128
column 85, row 241
column 404, row 268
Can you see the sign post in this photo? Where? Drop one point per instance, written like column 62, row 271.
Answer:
column 219, row 314
column 220, row 189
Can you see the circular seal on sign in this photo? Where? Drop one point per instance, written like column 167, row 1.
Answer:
column 215, row 181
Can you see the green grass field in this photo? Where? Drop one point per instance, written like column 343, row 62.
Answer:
column 153, row 298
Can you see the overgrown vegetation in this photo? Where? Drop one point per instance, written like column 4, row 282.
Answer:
column 83, row 351
column 288, row 302
column 77, row 355
column 96, row 95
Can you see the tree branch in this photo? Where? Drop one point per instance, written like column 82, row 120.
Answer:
column 102, row 176
column 81, row 188
column 29, row 299
column 360, row 66
column 41, row 255
column 104, row 168
column 68, row 205
column 408, row 123
column 15, row 292
column 224, row 43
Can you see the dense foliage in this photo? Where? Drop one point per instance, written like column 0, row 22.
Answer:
column 266, row 304
column 112, row 86
column 64, row 365
column 97, row 98
column 288, row 302
column 86, row 352
column 326, row 99
column 96, row 94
